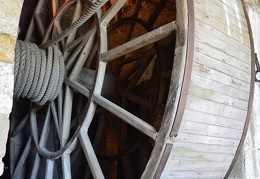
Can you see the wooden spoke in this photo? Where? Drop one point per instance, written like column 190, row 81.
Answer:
column 90, row 155
column 22, row 158
column 126, row 116
column 78, row 86
column 139, row 42
column 49, row 169
column 39, row 24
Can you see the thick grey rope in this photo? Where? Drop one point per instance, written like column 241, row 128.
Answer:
column 83, row 18
column 38, row 73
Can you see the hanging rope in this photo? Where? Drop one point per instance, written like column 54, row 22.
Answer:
column 38, row 73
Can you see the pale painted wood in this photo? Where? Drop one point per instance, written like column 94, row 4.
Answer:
column 225, row 25
column 202, row 148
column 198, row 156
column 231, row 8
column 222, row 56
column 221, row 13
column 222, row 27
column 219, row 87
column 222, row 67
column 209, row 130
column 211, row 119
column 194, row 174
column 219, row 44
column 199, row 165
column 206, row 72
column 205, row 28
column 205, row 139
column 218, row 96
column 203, row 105
column 235, row 5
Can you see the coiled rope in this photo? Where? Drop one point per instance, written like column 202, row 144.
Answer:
column 38, row 73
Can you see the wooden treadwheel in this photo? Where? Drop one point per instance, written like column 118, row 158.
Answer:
column 109, row 113
column 153, row 89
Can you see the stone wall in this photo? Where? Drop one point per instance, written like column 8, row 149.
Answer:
column 9, row 18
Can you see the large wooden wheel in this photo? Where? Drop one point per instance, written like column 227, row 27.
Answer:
column 145, row 95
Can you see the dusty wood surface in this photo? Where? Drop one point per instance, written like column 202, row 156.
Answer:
column 218, row 96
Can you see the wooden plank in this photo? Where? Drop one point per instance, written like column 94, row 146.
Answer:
column 222, row 27
column 227, row 25
column 236, row 5
column 222, row 13
column 218, row 43
column 209, row 130
column 208, row 148
column 222, row 67
column 205, row 139
column 219, row 87
column 230, row 41
column 217, row 97
column 185, row 165
column 207, row 106
column 198, row 156
column 211, row 119
column 217, row 76
column 243, row 65
column 229, row 50
column 214, row 174
column 231, row 8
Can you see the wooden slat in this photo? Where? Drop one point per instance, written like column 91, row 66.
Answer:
column 215, row 108
column 219, row 87
column 229, row 41
column 228, row 52
column 222, row 67
column 235, row 5
column 217, row 97
column 217, row 76
column 220, row 45
column 197, row 147
column 205, row 139
column 139, row 42
column 127, row 117
column 221, row 13
column 180, row 165
column 225, row 26
column 233, row 9
column 222, row 56
column 211, row 119
column 209, row 130
column 198, row 156
column 194, row 174
column 222, row 27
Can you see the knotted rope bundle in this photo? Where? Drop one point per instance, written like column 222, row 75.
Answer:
column 38, row 73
